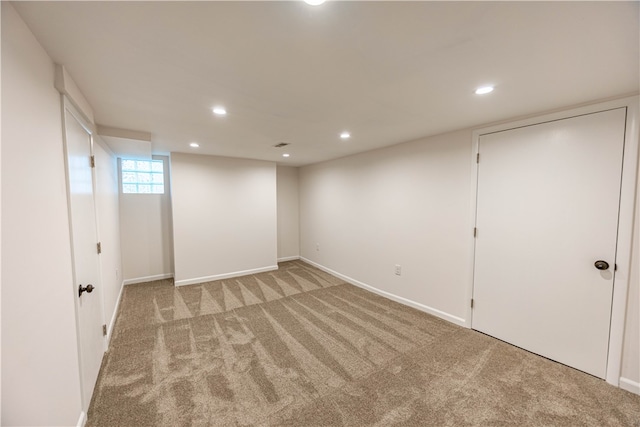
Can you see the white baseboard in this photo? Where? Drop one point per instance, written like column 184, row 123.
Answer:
column 289, row 258
column 627, row 384
column 147, row 279
column 438, row 313
column 197, row 280
column 82, row 420
column 114, row 315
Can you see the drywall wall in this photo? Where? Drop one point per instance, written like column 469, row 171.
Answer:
column 288, row 221
column 108, row 213
column 407, row 205
column 224, row 217
column 145, row 233
column 630, row 375
column 40, row 375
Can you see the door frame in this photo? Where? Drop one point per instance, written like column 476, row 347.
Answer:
column 625, row 218
column 67, row 105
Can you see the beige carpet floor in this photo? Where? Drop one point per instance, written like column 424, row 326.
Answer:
column 299, row 347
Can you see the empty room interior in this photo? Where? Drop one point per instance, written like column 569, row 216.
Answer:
column 308, row 213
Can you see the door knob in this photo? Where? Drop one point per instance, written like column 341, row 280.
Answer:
column 88, row 289
column 601, row 265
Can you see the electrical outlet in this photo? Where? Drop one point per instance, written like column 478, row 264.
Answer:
column 398, row 270
column 317, row 246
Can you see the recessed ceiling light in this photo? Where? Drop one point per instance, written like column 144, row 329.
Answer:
column 194, row 145
column 345, row 135
column 285, row 155
column 314, row 2
column 219, row 111
column 483, row 90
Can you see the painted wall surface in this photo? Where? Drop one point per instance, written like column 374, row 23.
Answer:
column 631, row 349
column 108, row 211
column 224, row 216
column 408, row 205
column 288, row 232
column 145, row 233
column 40, row 375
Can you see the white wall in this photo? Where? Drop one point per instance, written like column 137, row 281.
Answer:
column 288, row 221
column 108, row 211
column 407, row 205
column 630, row 375
column 40, row 375
column 224, row 217
column 146, row 235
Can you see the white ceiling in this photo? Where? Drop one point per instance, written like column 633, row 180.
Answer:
column 388, row 72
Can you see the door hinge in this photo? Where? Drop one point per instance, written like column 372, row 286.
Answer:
column 104, row 330
column 615, row 267
column 475, row 231
column 471, row 302
column 478, row 158
column 93, row 161
column 99, row 245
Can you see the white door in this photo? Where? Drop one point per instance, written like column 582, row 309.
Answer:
column 547, row 211
column 85, row 255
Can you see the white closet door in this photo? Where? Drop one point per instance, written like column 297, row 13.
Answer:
column 547, row 210
column 86, row 265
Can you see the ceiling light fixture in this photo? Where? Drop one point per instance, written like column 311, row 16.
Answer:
column 219, row 111
column 314, row 2
column 285, row 155
column 194, row 145
column 484, row 90
column 345, row 135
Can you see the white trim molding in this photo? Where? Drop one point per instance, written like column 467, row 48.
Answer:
column 82, row 420
column 197, row 280
column 114, row 315
column 66, row 86
column 430, row 310
column 145, row 279
column 625, row 221
column 289, row 258
column 631, row 386
column 625, row 239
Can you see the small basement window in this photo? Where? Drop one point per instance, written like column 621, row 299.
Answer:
column 142, row 176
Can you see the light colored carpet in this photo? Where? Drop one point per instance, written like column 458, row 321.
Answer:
column 298, row 347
